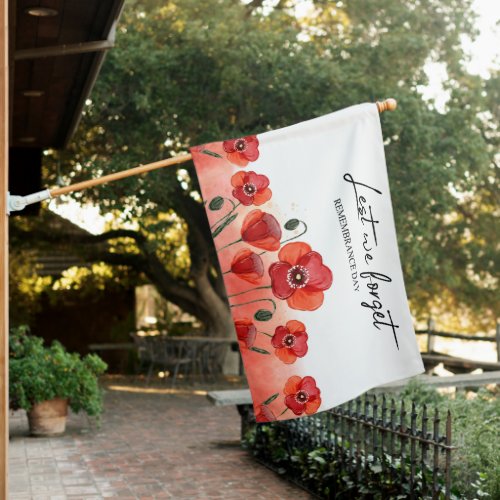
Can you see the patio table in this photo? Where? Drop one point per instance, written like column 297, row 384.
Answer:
column 203, row 351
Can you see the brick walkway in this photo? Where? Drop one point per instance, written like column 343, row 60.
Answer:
column 149, row 446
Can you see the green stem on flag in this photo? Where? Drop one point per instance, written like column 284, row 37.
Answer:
column 235, row 206
column 223, row 225
column 298, row 235
column 229, row 244
column 283, row 412
column 253, row 302
column 264, row 333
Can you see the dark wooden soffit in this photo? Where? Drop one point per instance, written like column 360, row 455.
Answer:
column 55, row 62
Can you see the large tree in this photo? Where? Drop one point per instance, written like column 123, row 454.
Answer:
column 186, row 72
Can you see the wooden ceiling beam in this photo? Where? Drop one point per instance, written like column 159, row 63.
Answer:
column 64, row 50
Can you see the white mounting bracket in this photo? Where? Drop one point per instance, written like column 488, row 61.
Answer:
column 16, row 203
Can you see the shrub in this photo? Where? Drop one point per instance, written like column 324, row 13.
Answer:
column 475, row 434
column 38, row 373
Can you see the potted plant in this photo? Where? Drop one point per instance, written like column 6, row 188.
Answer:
column 45, row 380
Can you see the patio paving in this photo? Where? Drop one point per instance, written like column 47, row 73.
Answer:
column 151, row 444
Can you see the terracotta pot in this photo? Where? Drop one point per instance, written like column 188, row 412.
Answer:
column 48, row 417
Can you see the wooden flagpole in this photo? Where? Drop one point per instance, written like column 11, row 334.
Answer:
column 120, row 175
column 387, row 105
column 4, row 249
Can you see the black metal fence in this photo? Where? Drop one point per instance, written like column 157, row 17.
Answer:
column 371, row 447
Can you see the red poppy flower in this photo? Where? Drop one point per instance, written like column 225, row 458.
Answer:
column 290, row 341
column 300, row 277
column 264, row 414
column 245, row 331
column 248, row 266
column 302, row 395
column 241, row 151
column 250, row 188
column 261, row 230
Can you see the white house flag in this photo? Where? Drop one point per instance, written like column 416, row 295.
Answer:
column 303, row 225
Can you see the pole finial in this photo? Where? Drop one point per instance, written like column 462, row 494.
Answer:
column 386, row 105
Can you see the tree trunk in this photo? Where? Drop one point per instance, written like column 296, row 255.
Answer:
column 220, row 323
column 202, row 301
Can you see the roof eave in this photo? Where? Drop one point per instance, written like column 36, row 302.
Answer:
column 92, row 75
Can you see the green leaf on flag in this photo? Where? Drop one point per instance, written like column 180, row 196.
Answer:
column 216, row 203
column 211, row 153
column 271, row 399
column 259, row 350
column 263, row 315
column 292, row 224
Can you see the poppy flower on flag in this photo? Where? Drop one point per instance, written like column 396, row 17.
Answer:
column 302, row 395
column 243, row 150
column 264, row 414
column 300, row 277
column 261, row 230
column 248, row 266
column 290, row 341
column 250, row 188
column 245, row 331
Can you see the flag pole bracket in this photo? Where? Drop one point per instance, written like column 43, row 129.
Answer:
column 16, row 202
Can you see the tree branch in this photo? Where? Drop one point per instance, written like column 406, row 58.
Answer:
column 117, row 233
column 172, row 289
column 137, row 262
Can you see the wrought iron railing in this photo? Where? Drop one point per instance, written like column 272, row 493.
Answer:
column 371, row 445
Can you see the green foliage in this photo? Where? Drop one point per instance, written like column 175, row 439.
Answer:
column 38, row 373
column 476, row 434
column 188, row 72
column 25, row 286
column 28, row 291
column 333, row 474
column 421, row 394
